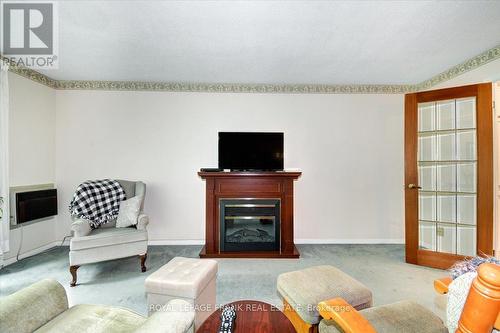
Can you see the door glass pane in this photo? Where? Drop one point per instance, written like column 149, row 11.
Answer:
column 427, row 176
column 447, row 175
column 466, row 177
column 426, row 116
column 466, row 145
column 446, row 237
column 427, row 206
column 446, row 146
column 446, row 208
column 466, row 208
column 427, row 235
column 466, row 240
column 466, row 112
column 445, row 115
column 427, row 147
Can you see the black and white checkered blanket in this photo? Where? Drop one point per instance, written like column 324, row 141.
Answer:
column 97, row 201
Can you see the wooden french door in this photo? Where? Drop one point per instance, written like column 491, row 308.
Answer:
column 448, row 175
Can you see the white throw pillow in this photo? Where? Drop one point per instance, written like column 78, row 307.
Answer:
column 129, row 211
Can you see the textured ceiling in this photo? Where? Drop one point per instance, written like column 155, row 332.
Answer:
column 275, row 42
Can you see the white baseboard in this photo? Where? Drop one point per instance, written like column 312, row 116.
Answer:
column 45, row 247
column 176, row 242
column 349, row 241
column 297, row 241
column 9, row 261
column 32, row 252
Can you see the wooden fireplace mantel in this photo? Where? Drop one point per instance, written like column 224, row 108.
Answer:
column 259, row 185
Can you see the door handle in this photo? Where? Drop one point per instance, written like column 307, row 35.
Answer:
column 414, row 186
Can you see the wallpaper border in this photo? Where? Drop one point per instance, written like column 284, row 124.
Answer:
column 232, row 88
column 30, row 74
column 468, row 65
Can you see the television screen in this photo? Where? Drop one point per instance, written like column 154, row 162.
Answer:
column 251, row 151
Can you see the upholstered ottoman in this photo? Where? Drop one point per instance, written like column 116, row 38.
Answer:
column 302, row 291
column 193, row 280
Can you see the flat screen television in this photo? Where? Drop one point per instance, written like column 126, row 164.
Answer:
column 251, row 151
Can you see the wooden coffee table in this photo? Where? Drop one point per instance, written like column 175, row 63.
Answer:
column 251, row 316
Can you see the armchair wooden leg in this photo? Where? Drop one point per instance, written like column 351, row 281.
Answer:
column 143, row 262
column 72, row 270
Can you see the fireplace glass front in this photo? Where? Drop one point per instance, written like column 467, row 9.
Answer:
column 249, row 224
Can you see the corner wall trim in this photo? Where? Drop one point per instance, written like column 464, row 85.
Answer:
column 468, row 65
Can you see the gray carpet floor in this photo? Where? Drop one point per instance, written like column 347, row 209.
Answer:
column 120, row 282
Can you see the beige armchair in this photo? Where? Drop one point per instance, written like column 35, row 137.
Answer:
column 43, row 307
column 326, row 300
column 480, row 314
column 108, row 242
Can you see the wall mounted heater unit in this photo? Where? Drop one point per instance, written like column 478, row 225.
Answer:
column 34, row 205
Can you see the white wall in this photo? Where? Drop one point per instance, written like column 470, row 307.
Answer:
column 349, row 147
column 31, row 132
column 31, row 154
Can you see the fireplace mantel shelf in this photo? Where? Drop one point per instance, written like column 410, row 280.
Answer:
column 293, row 174
column 249, row 185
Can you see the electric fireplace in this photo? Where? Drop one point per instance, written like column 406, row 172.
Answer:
column 249, row 214
column 249, row 224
